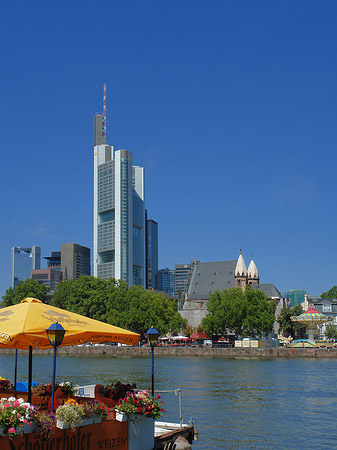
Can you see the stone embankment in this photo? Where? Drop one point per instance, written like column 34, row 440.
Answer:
column 138, row 352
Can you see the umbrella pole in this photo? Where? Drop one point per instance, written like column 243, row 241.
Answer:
column 16, row 368
column 30, row 365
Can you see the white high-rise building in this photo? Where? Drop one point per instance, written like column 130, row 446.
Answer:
column 119, row 212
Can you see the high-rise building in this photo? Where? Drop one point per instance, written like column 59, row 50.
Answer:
column 23, row 261
column 166, row 281
column 49, row 277
column 151, row 253
column 183, row 276
column 119, row 212
column 75, row 261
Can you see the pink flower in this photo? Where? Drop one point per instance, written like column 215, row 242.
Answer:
column 16, row 403
column 11, row 430
column 18, row 415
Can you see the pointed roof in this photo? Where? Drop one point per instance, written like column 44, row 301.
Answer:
column 240, row 269
column 252, row 270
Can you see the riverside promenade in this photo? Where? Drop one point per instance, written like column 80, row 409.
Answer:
column 139, row 352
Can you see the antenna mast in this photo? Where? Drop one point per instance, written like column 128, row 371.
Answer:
column 104, row 110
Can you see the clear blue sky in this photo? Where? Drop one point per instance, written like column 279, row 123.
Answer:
column 229, row 105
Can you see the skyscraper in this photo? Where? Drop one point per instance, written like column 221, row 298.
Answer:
column 119, row 211
column 151, row 253
column 23, row 261
column 75, row 261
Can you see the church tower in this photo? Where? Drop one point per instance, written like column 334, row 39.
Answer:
column 240, row 273
column 252, row 274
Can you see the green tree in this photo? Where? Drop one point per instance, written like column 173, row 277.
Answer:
column 24, row 289
column 331, row 331
column 242, row 312
column 332, row 293
column 288, row 327
column 111, row 301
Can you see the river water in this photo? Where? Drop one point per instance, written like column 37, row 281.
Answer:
column 272, row 404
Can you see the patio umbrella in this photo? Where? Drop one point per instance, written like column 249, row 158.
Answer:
column 23, row 326
column 199, row 336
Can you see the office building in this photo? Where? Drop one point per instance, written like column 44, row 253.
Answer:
column 183, row 276
column 166, row 281
column 54, row 261
column 23, row 261
column 119, row 212
column 49, row 277
column 75, row 261
column 151, row 253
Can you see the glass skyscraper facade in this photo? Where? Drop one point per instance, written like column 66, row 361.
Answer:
column 119, row 212
column 23, row 261
column 151, row 253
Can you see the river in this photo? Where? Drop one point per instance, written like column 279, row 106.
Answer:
column 269, row 404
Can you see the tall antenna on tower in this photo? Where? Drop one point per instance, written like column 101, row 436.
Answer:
column 104, row 111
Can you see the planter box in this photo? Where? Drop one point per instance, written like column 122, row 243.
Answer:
column 141, row 430
column 27, row 428
column 82, row 423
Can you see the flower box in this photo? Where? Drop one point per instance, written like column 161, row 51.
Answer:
column 29, row 428
column 141, row 432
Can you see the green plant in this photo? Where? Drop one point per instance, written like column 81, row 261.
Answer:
column 42, row 391
column 141, row 403
column 5, row 385
column 94, row 407
column 67, row 388
column 118, row 390
column 45, row 423
column 70, row 413
column 14, row 414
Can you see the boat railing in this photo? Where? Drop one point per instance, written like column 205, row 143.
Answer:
column 176, row 392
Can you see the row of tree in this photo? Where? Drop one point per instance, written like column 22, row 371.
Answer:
column 244, row 313
column 134, row 308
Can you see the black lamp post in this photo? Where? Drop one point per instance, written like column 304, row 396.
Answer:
column 152, row 338
column 55, row 335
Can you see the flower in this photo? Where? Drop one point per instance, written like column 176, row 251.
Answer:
column 46, row 423
column 94, row 407
column 5, row 385
column 118, row 390
column 14, row 413
column 141, row 403
column 68, row 388
column 70, row 413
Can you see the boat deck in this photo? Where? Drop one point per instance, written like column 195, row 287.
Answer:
column 166, row 433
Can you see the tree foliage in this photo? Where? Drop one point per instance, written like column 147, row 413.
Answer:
column 111, row 301
column 242, row 312
column 331, row 293
column 24, row 289
column 288, row 327
column 331, row 331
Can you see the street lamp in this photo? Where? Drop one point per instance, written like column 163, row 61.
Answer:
column 55, row 335
column 152, row 339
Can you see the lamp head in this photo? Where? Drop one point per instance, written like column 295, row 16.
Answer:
column 152, row 336
column 55, row 334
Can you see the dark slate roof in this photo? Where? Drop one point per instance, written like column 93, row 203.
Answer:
column 268, row 288
column 209, row 277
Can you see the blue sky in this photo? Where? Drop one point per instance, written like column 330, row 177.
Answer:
column 229, row 105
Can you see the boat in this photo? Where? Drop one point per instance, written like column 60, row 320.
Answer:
column 136, row 432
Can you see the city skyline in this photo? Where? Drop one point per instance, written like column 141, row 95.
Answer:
column 229, row 107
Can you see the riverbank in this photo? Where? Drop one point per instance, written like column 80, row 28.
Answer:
column 234, row 353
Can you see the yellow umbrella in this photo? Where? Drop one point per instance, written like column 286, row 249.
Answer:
column 24, row 325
